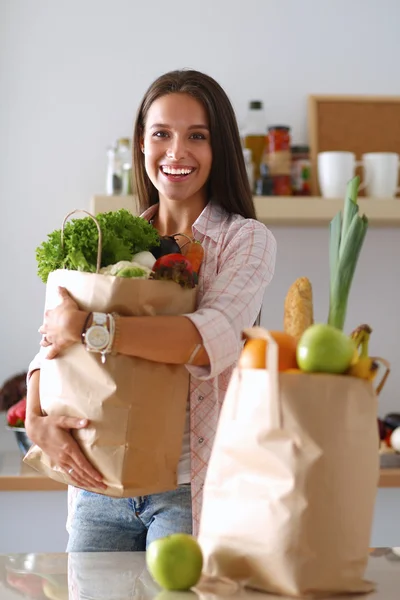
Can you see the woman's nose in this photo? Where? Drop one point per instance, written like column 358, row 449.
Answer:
column 177, row 149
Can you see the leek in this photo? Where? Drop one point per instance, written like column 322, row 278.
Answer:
column 346, row 237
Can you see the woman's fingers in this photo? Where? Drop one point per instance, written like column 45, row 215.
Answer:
column 53, row 435
column 53, row 351
column 82, row 469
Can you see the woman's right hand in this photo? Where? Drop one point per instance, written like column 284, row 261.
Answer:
column 53, row 435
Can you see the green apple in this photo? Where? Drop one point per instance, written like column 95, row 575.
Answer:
column 326, row 349
column 175, row 562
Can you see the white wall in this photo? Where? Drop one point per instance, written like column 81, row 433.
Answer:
column 72, row 74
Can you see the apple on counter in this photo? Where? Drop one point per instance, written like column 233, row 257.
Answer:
column 175, row 562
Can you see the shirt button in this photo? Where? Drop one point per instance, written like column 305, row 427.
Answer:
column 201, row 398
column 201, row 440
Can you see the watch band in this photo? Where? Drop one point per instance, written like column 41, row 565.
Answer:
column 99, row 318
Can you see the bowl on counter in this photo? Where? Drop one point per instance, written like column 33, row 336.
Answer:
column 23, row 441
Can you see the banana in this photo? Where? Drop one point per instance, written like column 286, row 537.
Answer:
column 363, row 366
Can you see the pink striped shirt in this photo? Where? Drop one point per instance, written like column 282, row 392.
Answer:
column 238, row 264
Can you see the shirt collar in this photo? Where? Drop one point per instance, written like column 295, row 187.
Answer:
column 208, row 223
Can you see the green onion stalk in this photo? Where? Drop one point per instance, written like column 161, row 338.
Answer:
column 346, row 236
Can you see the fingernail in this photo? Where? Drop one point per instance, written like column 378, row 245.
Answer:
column 82, row 422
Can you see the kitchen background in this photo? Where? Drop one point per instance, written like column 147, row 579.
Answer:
column 72, row 75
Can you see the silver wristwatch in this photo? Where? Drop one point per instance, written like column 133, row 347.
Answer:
column 97, row 337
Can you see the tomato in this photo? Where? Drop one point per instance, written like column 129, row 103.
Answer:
column 172, row 260
column 174, row 267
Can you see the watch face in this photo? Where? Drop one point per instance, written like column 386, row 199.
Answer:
column 97, row 337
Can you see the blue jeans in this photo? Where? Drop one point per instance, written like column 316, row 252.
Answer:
column 105, row 524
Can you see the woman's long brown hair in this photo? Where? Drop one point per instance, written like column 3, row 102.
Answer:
column 228, row 184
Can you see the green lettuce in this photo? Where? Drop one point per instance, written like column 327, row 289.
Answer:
column 123, row 235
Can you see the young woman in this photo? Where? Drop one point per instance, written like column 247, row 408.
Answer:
column 191, row 179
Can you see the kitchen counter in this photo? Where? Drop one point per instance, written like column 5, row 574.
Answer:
column 123, row 575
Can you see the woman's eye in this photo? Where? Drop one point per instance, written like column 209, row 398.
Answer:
column 160, row 134
column 198, row 136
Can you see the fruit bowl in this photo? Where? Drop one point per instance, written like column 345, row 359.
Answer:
column 23, row 441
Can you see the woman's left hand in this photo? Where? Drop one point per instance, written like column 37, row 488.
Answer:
column 61, row 325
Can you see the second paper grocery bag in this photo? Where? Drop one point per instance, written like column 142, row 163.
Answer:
column 290, row 489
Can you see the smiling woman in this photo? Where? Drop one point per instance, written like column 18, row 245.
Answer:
column 191, row 178
column 177, row 148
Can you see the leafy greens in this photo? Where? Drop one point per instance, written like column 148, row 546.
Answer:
column 123, row 235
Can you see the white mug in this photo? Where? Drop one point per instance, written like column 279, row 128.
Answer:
column 382, row 172
column 335, row 169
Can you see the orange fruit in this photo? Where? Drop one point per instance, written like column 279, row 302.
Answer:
column 253, row 355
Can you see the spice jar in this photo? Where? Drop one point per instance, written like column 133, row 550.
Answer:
column 279, row 159
column 301, row 171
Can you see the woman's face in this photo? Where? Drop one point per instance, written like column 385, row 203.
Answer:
column 177, row 147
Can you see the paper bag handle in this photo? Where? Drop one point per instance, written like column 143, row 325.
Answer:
column 99, row 245
column 271, row 365
column 386, row 364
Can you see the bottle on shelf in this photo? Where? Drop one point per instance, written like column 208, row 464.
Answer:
column 119, row 168
column 254, row 133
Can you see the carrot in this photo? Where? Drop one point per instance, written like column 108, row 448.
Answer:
column 194, row 253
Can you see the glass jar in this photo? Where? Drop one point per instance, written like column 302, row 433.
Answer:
column 279, row 159
column 301, row 171
column 114, row 175
column 265, row 183
column 125, row 154
column 119, row 168
column 249, row 166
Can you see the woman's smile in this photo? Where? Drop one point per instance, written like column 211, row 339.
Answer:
column 177, row 174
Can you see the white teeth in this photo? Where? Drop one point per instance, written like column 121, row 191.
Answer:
column 171, row 171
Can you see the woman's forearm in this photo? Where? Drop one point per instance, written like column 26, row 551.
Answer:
column 162, row 339
column 166, row 339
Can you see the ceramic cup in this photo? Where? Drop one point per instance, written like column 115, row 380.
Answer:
column 382, row 173
column 335, row 169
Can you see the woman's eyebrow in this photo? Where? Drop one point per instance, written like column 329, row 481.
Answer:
column 166, row 126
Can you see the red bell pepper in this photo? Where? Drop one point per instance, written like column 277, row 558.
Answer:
column 17, row 413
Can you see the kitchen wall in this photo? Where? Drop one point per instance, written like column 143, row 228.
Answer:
column 72, row 74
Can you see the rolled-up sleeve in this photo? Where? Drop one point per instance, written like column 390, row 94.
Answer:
column 35, row 363
column 233, row 300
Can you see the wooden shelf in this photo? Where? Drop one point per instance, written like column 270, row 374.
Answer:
column 317, row 211
column 389, row 478
column 288, row 211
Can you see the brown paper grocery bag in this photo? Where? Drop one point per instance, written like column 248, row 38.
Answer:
column 290, row 490
column 136, row 407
